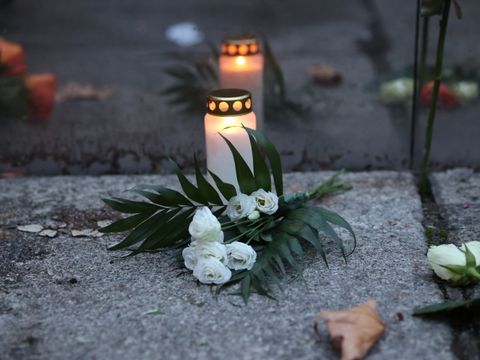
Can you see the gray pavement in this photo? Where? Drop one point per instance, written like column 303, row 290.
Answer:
column 457, row 196
column 457, row 193
column 68, row 296
column 122, row 45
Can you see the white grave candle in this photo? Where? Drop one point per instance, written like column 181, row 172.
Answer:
column 241, row 67
column 227, row 111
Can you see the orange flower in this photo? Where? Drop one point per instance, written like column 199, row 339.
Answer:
column 11, row 58
column 41, row 94
column 446, row 96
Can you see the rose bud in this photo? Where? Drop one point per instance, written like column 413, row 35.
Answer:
column 446, row 96
column 11, row 58
column 41, row 94
column 458, row 266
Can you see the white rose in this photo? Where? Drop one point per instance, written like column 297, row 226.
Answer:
column 211, row 271
column 267, row 202
column 240, row 206
column 398, row 91
column 212, row 250
column 445, row 255
column 240, row 256
column 466, row 91
column 205, row 226
column 474, row 247
column 190, row 257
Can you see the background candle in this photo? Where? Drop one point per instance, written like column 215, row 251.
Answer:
column 241, row 67
column 227, row 111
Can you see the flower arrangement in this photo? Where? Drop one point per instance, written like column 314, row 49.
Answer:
column 226, row 236
column 451, row 95
column 23, row 95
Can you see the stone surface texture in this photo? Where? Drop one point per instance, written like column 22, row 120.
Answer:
column 123, row 46
column 68, row 296
column 457, row 193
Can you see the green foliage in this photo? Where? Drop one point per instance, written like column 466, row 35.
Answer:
column 298, row 229
column 447, row 306
column 163, row 221
column 194, row 79
column 279, row 239
column 192, row 82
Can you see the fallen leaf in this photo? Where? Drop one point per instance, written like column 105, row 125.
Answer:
column 32, row 228
column 325, row 75
column 354, row 330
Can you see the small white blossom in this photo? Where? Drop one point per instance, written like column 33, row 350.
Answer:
column 190, row 257
column 240, row 206
column 213, row 250
column 267, row 202
column 254, row 215
column 445, row 255
column 205, row 226
column 211, row 271
column 240, row 256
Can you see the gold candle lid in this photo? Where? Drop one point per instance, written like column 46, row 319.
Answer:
column 228, row 102
column 240, row 45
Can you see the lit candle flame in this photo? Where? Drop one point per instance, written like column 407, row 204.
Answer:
column 240, row 60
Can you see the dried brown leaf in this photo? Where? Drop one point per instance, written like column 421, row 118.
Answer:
column 325, row 75
column 354, row 331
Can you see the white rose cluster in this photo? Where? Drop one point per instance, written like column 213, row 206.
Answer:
column 250, row 206
column 208, row 257
column 449, row 262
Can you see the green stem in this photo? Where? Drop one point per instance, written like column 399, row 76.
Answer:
column 232, row 224
column 424, row 49
column 474, row 273
column 433, row 106
column 247, row 233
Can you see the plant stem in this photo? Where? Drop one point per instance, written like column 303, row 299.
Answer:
column 232, row 224
column 424, row 49
column 413, row 120
column 433, row 106
column 473, row 272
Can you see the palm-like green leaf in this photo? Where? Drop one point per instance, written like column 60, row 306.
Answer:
column 300, row 227
column 206, row 189
column 246, row 180
column 273, row 157
column 163, row 221
column 260, row 169
column 227, row 190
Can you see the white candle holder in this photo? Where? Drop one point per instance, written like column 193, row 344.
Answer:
column 241, row 67
column 227, row 111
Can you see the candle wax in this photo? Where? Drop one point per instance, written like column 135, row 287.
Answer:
column 219, row 157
